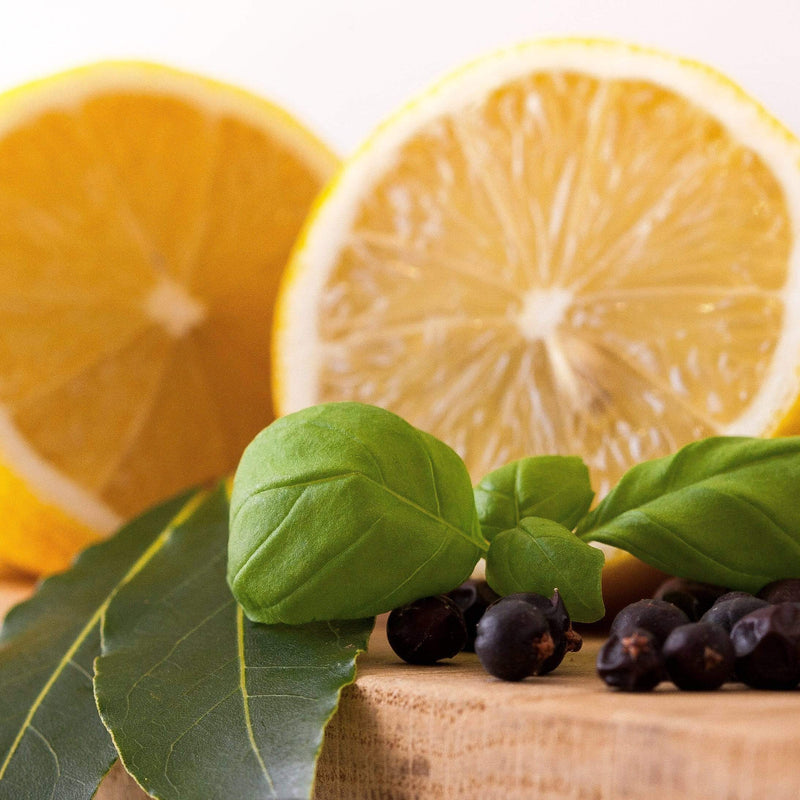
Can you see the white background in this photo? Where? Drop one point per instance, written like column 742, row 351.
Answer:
column 343, row 65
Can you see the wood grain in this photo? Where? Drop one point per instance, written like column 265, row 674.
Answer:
column 451, row 731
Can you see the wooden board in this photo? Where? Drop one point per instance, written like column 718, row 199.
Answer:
column 451, row 731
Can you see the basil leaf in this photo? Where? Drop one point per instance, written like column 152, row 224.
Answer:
column 540, row 555
column 200, row 701
column 553, row 487
column 52, row 742
column 722, row 510
column 345, row 510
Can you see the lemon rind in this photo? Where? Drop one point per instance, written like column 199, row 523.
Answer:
column 69, row 88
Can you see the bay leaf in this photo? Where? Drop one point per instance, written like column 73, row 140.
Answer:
column 52, row 742
column 200, row 701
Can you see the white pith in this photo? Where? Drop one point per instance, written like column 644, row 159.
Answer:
column 51, row 485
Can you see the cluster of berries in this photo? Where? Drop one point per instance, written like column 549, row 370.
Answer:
column 514, row 636
column 701, row 636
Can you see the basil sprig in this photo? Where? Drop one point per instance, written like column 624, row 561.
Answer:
column 722, row 510
column 344, row 511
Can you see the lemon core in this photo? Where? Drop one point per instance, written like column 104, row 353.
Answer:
column 543, row 310
column 172, row 307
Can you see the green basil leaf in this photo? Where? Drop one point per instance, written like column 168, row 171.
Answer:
column 722, row 510
column 540, row 555
column 200, row 701
column 52, row 742
column 553, row 487
column 345, row 510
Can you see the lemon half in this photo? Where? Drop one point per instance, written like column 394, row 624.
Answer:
column 145, row 217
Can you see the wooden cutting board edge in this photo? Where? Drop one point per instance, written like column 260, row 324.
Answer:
column 452, row 731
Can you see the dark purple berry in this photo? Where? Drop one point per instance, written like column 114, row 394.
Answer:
column 786, row 590
column 767, row 647
column 631, row 661
column 732, row 596
column 427, row 630
column 726, row 613
column 698, row 656
column 685, row 602
column 692, row 597
column 473, row 597
column 657, row 616
column 565, row 638
column 514, row 639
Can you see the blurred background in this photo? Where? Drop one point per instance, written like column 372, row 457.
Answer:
column 343, row 65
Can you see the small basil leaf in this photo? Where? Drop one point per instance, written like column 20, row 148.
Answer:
column 553, row 487
column 722, row 510
column 539, row 555
column 344, row 511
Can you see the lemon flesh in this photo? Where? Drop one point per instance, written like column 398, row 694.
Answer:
column 571, row 247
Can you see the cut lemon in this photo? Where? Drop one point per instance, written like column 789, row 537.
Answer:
column 145, row 217
column 576, row 247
